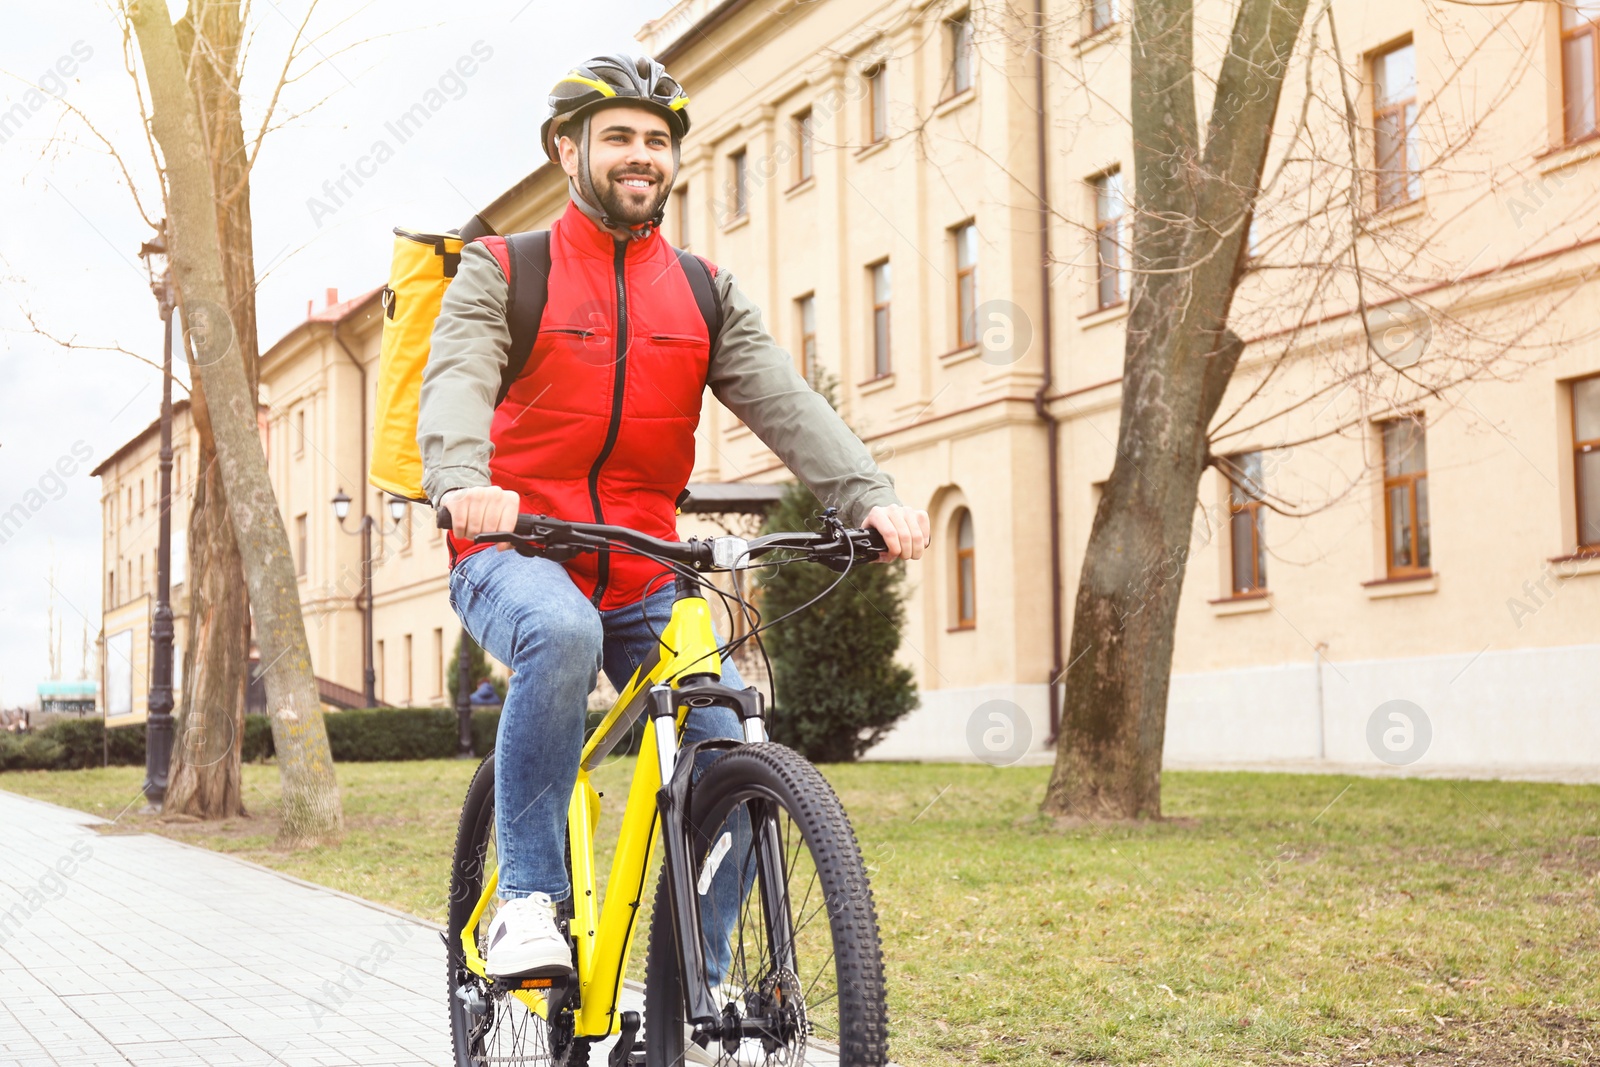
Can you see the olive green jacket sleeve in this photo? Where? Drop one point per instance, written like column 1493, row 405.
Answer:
column 462, row 378
column 757, row 381
column 749, row 374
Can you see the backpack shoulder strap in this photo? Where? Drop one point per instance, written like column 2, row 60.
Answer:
column 700, row 275
column 528, row 285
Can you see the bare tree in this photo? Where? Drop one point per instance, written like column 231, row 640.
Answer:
column 310, row 806
column 1301, row 262
column 204, row 776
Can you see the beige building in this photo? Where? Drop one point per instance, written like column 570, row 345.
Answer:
column 872, row 175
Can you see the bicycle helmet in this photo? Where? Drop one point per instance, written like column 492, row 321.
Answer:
column 638, row 81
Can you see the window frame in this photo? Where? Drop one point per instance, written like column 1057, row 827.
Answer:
column 963, row 55
column 1113, row 272
column 302, row 541
column 438, row 663
column 1111, row 11
column 680, row 210
column 805, row 167
column 966, row 571
column 808, row 337
column 876, row 76
column 1409, row 182
column 410, row 686
column 1251, row 508
column 1418, row 521
column 966, row 283
column 1580, row 448
column 1586, row 27
column 300, row 431
column 882, row 357
column 739, row 183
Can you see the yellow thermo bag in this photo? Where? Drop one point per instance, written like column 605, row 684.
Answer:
column 421, row 270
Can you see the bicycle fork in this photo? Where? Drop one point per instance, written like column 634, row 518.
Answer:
column 672, row 801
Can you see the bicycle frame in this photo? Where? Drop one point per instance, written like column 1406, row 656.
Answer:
column 604, row 936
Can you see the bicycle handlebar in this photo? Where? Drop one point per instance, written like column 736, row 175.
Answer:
column 539, row 535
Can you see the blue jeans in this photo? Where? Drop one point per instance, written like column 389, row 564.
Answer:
column 528, row 614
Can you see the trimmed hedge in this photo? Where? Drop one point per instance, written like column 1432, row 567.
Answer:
column 70, row 745
column 366, row 735
column 357, row 736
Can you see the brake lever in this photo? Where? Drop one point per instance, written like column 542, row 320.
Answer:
column 526, row 547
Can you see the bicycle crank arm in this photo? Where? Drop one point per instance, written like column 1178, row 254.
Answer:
column 628, row 1051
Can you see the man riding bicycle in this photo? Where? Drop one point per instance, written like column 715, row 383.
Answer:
column 598, row 426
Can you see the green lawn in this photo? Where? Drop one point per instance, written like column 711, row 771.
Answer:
column 1272, row 919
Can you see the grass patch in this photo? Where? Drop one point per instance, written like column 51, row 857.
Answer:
column 1276, row 919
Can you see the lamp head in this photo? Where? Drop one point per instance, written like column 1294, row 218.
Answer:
column 341, row 505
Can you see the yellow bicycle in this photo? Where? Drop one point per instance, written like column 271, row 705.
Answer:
column 764, row 941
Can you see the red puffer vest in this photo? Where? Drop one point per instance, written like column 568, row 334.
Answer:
column 599, row 427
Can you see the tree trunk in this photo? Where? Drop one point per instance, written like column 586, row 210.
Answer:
column 310, row 806
column 204, row 776
column 1191, row 211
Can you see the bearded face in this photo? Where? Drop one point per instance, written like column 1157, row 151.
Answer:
column 630, row 162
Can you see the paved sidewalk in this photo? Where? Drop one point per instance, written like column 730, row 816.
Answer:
column 136, row 949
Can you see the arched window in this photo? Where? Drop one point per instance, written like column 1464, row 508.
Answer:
column 966, row 572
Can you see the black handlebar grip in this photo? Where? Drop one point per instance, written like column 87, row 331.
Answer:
column 444, row 522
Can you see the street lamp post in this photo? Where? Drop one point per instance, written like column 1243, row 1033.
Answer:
column 397, row 511
column 158, row 720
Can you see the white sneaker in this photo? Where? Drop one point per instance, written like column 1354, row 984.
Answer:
column 524, row 939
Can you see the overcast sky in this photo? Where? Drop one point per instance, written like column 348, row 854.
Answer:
column 70, row 231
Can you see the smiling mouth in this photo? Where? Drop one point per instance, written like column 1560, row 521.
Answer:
column 635, row 182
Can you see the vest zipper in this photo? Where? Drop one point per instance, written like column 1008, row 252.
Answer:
column 618, row 384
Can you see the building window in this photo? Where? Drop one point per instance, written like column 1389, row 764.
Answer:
column 141, row 496
column 144, row 585
column 1102, row 13
column 1405, row 498
column 410, row 699
column 111, row 588
column 803, row 156
column 959, row 30
column 877, row 102
column 966, row 573
column 966, row 242
column 1246, row 519
column 300, row 432
column 880, row 318
column 740, row 178
column 380, row 674
column 806, row 312
column 177, row 472
column 680, row 212
column 438, row 663
column 404, row 530
column 1109, row 209
column 1580, row 44
column 1586, row 460
column 1394, row 101
column 300, row 545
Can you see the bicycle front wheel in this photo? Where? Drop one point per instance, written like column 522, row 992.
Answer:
column 786, row 918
